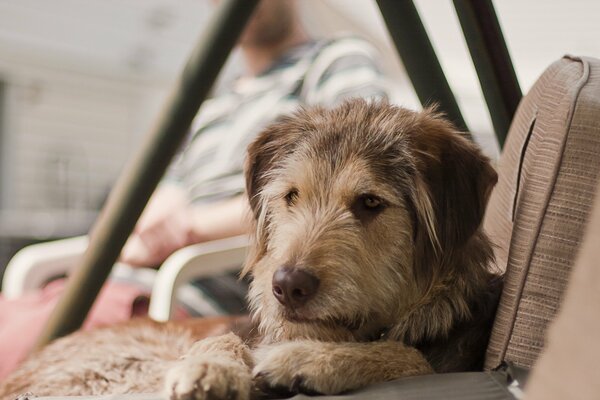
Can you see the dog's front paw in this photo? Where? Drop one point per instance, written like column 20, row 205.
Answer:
column 294, row 367
column 208, row 378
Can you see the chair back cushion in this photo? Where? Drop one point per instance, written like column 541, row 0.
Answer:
column 548, row 173
column 568, row 365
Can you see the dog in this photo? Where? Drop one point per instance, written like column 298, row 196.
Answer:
column 368, row 263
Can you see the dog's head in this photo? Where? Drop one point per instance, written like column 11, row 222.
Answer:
column 357, row 210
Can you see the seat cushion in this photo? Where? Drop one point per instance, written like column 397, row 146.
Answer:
column 568, row 365
column 548, row 173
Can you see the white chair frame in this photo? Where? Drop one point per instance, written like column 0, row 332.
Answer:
column 36, row 264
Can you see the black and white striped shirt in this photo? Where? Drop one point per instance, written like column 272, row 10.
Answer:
column 318, row 73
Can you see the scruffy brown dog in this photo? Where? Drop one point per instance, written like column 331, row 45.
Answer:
column 368, row 264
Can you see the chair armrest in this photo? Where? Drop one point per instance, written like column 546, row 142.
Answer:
column 193, row 262
column 34, row 265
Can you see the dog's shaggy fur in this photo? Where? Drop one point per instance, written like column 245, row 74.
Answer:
column 379, row 209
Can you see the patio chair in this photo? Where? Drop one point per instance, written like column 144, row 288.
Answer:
column 35, row 265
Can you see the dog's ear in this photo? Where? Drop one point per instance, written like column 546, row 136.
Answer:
column 454, row 182
column 269, row 147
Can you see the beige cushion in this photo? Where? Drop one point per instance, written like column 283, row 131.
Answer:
column 568, row 366
column 538, row 211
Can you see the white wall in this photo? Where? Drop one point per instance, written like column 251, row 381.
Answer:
column 84, row 81
column 66, row 136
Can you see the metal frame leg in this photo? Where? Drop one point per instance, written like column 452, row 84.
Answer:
column 419, row 58
column 492, row 61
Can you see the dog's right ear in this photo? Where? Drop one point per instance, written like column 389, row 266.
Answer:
column 271, row 145
column 264, row 153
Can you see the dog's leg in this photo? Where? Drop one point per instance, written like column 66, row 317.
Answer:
column 214, row 368
column 332, row 368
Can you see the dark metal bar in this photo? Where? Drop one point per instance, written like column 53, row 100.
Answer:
column 419, row 58
column 492, row 61
column 136, row 184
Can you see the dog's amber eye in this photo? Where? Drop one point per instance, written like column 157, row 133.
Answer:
column 371, row 202
column 291, row 196
column 367, row 206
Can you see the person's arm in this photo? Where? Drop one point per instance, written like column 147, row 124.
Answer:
column 170, row 222
column 220, row 220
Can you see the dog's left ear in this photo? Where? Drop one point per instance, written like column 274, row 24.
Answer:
column 455, row 180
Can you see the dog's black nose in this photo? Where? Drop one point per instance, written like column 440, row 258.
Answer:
column 293, row 287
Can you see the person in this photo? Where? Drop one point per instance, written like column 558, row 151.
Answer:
column 285, row 69
column 201, row 197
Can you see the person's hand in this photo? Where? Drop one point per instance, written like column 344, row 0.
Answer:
column 164, row 227
column 150, row 245
column 170, row 222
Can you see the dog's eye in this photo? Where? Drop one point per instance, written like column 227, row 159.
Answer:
column 291, row 196
column 371, row 202
column 367, row 206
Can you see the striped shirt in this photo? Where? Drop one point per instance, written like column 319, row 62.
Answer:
column 322, row 73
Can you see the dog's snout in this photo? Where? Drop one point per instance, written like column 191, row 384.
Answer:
column 293, row 286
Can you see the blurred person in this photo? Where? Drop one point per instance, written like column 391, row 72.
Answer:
column 201, row 197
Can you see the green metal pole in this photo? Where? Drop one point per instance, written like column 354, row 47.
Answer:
column 419, row 58
column 139, row 179
column 492, row 61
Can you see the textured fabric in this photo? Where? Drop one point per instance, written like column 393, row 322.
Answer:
column 568, row 366
column 548, row 174
column 317, row 73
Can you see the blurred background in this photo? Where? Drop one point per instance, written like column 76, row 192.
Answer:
column 82, row 81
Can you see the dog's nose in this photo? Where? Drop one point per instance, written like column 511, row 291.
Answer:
column 293, row 287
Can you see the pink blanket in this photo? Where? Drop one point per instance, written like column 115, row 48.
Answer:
column 22, row 320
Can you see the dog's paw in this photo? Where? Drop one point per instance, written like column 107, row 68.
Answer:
column 296, row 367
column 208, row 378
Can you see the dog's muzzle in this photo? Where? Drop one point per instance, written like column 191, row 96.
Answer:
column 294, row 286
